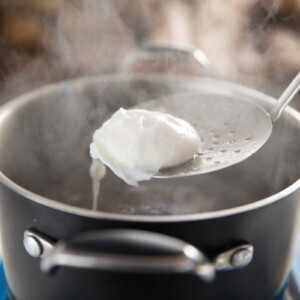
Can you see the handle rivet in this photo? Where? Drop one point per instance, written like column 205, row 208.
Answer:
column 241, row 257
column 32, row 246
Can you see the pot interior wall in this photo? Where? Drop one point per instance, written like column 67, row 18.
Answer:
column 44, row 148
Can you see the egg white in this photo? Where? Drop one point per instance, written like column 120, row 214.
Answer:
column 135, row 144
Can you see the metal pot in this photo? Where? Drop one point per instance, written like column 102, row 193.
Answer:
column 163, row 240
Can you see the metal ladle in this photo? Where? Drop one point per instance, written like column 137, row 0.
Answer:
column 231, row 130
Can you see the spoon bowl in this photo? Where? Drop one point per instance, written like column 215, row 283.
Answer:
column 230, row 129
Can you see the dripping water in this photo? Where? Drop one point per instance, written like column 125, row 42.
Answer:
column 97, row 173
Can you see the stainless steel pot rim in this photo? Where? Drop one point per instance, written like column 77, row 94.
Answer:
column 6, row 109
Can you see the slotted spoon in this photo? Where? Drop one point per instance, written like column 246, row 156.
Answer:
column 231, row 130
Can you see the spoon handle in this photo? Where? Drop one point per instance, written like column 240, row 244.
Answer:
column 286, row 97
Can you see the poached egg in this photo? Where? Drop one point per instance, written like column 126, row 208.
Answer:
column 135, row 144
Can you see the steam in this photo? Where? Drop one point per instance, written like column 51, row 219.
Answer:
column 91, row 37
column 85, row 37
column 225, row 35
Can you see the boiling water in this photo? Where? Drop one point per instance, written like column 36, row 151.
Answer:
column 167, row 197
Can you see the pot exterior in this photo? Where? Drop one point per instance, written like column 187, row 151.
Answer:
column 271, row 229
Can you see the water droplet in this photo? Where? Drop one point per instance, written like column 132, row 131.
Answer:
column 216, row 136
column 217, row 162
column 226, row 124
column 223, row 150
column 237, row 151
column 208, row 158
column 216, row 143
column 232, row 132
column 232, row 142
column 210, row 148
column 249, row 138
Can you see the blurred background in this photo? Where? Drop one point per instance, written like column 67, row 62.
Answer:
column 253, row 42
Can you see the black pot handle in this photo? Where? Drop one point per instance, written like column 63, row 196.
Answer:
column 131, row 251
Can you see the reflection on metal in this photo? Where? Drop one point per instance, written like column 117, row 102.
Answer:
column 150, row 253
column 37, row 244
column 235, row 258
column 167, row 58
